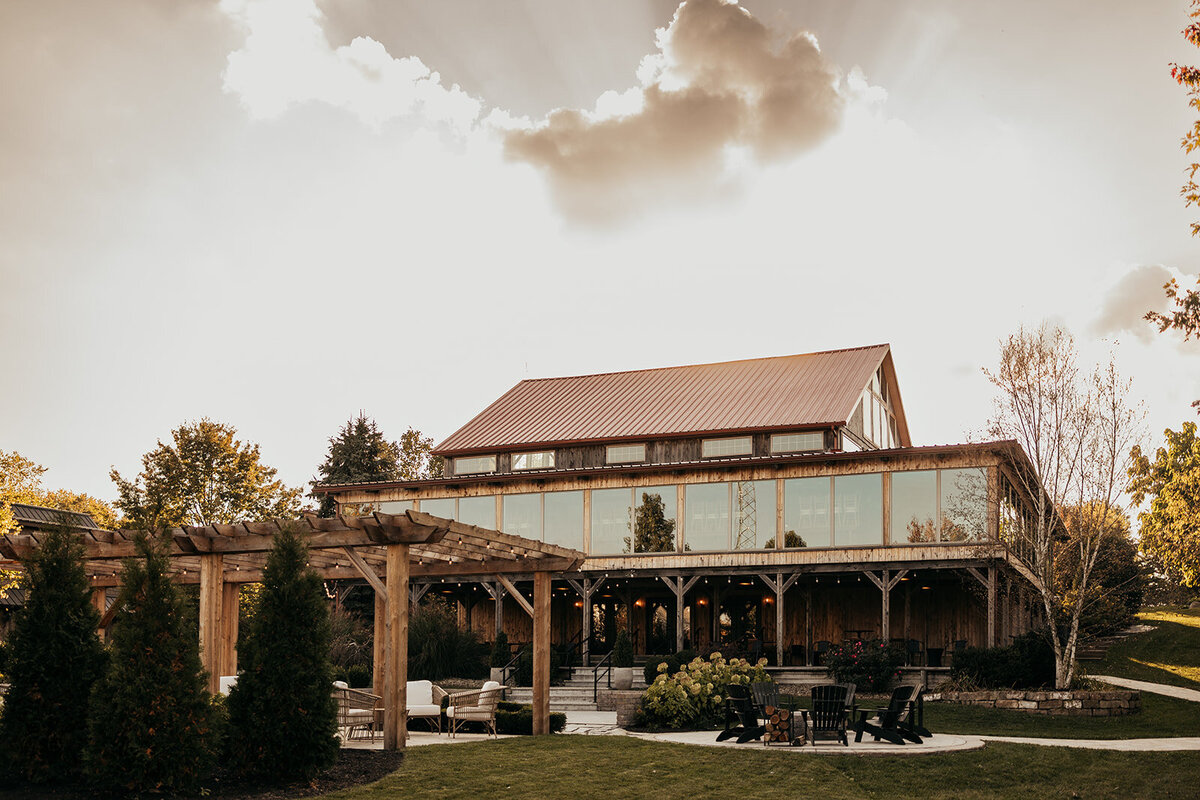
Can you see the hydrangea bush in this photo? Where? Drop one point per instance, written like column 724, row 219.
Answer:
column 870, row 666
column 694, row 696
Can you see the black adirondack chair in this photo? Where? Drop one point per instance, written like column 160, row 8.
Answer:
column 741, row 715
column 830, row 706
column 895, row 723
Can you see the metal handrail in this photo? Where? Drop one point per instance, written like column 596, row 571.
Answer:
column 596, row 675
column 509, row 668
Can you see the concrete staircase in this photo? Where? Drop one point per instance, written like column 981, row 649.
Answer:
column 574, row 694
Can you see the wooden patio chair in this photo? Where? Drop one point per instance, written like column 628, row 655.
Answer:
column 831, row 704
column 741, row 715
column 356, row 711
column 892, row 723
column 477, row 706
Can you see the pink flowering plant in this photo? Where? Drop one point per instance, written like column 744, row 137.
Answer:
column 694, row 697
column 871, row 666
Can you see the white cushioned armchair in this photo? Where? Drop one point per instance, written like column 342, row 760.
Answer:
column 424, row 701
column 477, row 706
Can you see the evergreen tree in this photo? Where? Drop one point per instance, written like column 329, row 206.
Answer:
column 282, row 715
column 151, row 721
column 359, row 453
column 52, row 659
column 652, row 531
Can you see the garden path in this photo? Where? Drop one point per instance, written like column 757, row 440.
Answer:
column 1147, row 686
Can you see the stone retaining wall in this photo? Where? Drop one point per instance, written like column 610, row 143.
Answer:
column 1070, row 704
column 625, row 703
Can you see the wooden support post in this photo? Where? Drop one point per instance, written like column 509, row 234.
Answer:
column 212, row 573
column 679, row 588
column 808, row 637
column 395, row 700
column 100, row 601
column 885, row 625
column 230, row 604
column 991, row 606
column 379, row 646
column 779, row 590
column 586, row 644
column 541, row 653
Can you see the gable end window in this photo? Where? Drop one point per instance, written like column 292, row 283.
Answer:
column 797, row 442
column 467, row 466
column 542, row 460
column 719, row 448
column 624, row 453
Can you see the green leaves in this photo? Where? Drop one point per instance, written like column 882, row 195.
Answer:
column 204, row 476
column 1170, row 528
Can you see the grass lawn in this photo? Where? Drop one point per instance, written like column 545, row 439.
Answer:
column 1160, row 716
column 1168, row 654
column 611, row 767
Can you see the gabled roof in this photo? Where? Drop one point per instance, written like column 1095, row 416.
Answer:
column 799, row 391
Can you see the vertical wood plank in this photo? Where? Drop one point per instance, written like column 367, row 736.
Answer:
column 541, row 653
column 100, row 601
column 677, row 589
column 231, row 595
column 587, row 622
column 885, row 626
column 212, row 571
column 779, row 619
column 395, row 699
column 379, row 646
column 991, row 607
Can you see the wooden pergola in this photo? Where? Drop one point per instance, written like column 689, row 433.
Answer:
column 385, row 550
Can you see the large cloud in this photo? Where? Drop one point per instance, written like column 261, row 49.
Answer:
column 1127, row 302
column 723, row 88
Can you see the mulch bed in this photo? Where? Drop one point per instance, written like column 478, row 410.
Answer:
column 353, row 768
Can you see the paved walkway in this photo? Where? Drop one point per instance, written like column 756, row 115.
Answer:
column 1154, row 688
column 1174, row 743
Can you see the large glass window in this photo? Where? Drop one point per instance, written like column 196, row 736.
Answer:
column 716, row 448
column 542, row 460
column 466, row 466
column 441, row 507
column 806, row 520
column 610, row 521
column 753, row 515
column 707, row 508
column 857, row 510
column 394, row 506
column 625, row 453
column 479, row 511
column 523, row 515
column 914, row 506
column 563, row 523
column 964, row 504
column 655, row 529
column 797, row 442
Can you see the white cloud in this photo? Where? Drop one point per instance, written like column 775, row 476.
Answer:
column 287, row 60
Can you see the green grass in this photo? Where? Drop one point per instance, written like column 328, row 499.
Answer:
column 581, row 767
column 1168, row 654
column 1160, row 716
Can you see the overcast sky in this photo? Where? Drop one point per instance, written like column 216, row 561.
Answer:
column 275, row 213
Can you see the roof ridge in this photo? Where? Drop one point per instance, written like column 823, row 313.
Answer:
column 707, row 364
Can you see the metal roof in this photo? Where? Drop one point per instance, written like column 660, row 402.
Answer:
column 798, row 391
column 43, row 518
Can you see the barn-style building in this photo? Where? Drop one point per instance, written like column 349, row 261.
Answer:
column 771, row 505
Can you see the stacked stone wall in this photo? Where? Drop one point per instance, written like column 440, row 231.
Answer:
column 625, row 703
column 1068, row 704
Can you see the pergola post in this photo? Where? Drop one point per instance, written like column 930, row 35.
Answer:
column 395, row 700
column 379, row 646
column 779, row 592
column 212, row 574
column 100, row 601
column 991, row 606
column 541, row 653
column 230, row 606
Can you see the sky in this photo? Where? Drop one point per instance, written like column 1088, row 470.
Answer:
column 279, row 213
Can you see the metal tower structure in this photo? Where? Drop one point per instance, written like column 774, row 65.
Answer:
column 747, row 517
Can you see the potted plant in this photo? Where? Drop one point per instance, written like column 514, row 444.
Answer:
column 501, row 655
column 622, row 670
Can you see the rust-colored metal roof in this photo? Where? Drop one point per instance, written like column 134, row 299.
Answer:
column 799, row 391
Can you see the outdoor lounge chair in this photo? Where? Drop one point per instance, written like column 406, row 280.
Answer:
column 477, row 706
column 831, row 704
column 740, row 709
column 424, row 701
column 356, row 710
column 893, row 723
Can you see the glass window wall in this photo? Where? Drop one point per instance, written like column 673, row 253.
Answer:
column 715, row 448
column 858, row 510
column 964, row 504
column 563, row 522
column 806, row 519
column 441, row 507
column 753, row 515
column 706, row 506
column 654, row 525
column 480, row 511
column 610, row 521
column 523, row 515
column 914, row 506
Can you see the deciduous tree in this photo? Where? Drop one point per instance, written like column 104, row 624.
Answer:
column 1077, row 430
column 204, row 476
column 1170, row 527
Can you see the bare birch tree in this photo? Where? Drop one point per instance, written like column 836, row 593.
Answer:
column 1078, row 430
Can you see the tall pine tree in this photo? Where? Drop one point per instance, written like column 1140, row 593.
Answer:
column 282, row 715
column 358, row 454
column 151, row 719
column 52, row 660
